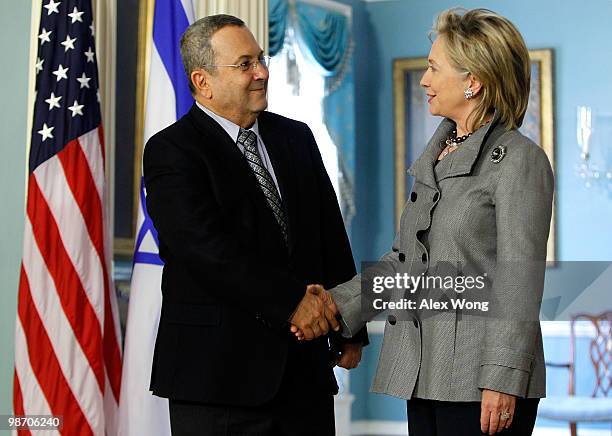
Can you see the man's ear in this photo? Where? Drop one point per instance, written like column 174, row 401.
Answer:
column 201, row 82
column 475, row 84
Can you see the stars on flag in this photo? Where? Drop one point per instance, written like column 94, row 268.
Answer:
column 76, row 15
column 53, row 101
column 45, row 36
column 68, row 43
column 84, row 81
column 45, row 132
column 39, row 65
column 89, row 54
column 51, row 7
column 61, row 72
column 66, row 77
column 76, row 109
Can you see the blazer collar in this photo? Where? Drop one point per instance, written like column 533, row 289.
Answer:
column 207, row 125
column 218, row 139
column 423, row 168
column 463, row 158
column 277, row 148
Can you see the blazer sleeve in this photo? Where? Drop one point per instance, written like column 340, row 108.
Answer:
column 199, row 236
column 336, row 250
column 523, row 206
column 354, row 307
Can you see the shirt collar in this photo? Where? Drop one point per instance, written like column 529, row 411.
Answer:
column 230, row 127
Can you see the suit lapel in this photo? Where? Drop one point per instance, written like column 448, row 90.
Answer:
column 223, row 144
column 277, row 146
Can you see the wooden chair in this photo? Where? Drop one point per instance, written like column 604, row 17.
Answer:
column 597, row 406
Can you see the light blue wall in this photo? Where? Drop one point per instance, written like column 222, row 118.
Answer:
column 14, row 46
column 580, row 35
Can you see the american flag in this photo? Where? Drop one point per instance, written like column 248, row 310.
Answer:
column 67, row 345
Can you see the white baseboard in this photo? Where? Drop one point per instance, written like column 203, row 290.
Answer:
column 554, row 431
column 395, row 428
column 558, row 329
column 376, row 428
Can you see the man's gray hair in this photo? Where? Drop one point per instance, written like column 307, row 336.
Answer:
column 196, row 49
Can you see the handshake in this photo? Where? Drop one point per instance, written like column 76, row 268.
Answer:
column 315, row 315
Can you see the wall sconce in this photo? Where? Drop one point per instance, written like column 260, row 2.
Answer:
column 593, row 173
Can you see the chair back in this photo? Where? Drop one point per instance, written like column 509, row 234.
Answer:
column 600, row 351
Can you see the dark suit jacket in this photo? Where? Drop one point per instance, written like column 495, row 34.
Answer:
column 229, row 283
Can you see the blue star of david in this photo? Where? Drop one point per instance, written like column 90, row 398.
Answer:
column 147, row 226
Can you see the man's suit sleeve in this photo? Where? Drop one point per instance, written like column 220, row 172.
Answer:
column 198, row 234
column 336, row 247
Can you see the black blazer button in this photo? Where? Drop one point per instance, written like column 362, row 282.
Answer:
column 415, row 322
column 413, row 196
column 424, row 257
column 402, row 257
column 436, row 196
column 391, row 319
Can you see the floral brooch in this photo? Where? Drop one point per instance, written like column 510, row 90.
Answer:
column 498, row 153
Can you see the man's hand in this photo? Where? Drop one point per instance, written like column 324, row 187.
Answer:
column 330, row 310
column 496, row 411
column 314, row 316
column 350, row 355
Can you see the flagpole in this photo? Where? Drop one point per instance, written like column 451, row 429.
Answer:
column 145, row 40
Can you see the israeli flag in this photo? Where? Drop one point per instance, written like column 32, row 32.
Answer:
column 168, row 98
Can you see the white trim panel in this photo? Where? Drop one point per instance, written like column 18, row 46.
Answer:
column 400, row 428
column 560, row 329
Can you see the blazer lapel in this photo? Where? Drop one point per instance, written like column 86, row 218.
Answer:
column 223, row 144
column 423, row 168
column 230, row 156
column 277, row 146
column 463, row 159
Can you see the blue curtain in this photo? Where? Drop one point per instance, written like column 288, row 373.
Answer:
column 325, row 34
column 324, row 37
column 339, row 117
column 277, row 17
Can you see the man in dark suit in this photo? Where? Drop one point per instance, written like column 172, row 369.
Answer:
column 247, row 219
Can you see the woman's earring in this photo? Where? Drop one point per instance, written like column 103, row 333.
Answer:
column 468, row 93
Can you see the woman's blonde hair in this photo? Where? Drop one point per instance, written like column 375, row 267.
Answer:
column 490, row 47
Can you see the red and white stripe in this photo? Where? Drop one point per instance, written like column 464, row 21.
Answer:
column 67, row 344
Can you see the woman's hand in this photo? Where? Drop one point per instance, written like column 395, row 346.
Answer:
column 496, row 411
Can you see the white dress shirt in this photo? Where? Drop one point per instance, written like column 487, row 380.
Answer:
column 234, row 129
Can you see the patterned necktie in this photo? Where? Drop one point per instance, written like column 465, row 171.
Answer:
column 248, row 139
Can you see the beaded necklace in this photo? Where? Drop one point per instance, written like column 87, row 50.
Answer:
column 454, row 141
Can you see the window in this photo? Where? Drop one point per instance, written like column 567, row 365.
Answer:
column 296, row 90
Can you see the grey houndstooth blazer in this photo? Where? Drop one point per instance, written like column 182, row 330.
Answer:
column 475, row 208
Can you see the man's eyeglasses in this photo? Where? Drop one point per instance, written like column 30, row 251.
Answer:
column 263, row 61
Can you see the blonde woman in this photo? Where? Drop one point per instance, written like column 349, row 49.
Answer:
column 482, row 197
